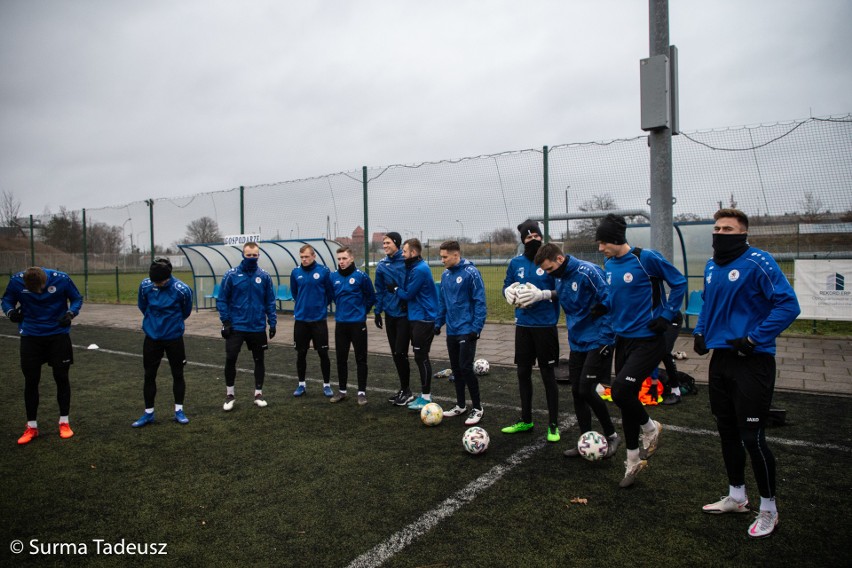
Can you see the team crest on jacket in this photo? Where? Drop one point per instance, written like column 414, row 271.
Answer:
column 316, row 275
column 458, row 279
column 733, row 275
column 257, row 279
column 540, row 271
column 51, row 289
column 352, row 280
column 628, row 278
column 574, row 286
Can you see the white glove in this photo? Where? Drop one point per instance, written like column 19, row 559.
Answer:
column 511, row 293
column 531, row 294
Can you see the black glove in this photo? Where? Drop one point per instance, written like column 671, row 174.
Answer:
column 659, row 325
column 65, row 321
column 742, row 344
column 16, row 315
column 391, row 288
column 437, row 331
column 271, row 332
column 379, row 323
column 598, row 310
column 226, row 329
column 699, row 346
column 472, row 336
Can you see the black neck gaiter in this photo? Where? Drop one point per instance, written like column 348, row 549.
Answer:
column 727, row 248
column 530, row 248
column 347, row 271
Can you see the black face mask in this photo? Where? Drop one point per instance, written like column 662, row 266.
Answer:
column 347, row 271
column 727, row 248
column 560, row 272
column 531, row 247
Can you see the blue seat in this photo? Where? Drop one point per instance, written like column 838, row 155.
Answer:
column 214, row 295
column 696, row 302
column 283, row 294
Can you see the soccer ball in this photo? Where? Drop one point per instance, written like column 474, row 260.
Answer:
column 431, row 414
column 481, row 367
column 592, row 446
column 475, row 440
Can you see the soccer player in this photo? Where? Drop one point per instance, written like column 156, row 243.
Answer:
column 310, row 284
column 536, row 337
column 246, row 304
column 353, row 298
column 165, row 302
column 584, row 294
column 43, row 301
column 419, row 292
column 641, row 314
column 391, row 271
column 461, row 305
column 748, row 302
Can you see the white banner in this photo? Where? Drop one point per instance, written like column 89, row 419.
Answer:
column 821, row 289
column 241, row 239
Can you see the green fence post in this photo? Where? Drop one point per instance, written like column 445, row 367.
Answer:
column 32, row 242
column 546, row 198
column 117, row 291
column 150, row 204
column 242, row 211
column 85, row 260
column 366, row 223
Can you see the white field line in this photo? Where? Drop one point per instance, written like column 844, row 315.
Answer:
column 386, row 550
column 668, row 427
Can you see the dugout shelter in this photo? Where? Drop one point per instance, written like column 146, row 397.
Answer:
column 210, row 261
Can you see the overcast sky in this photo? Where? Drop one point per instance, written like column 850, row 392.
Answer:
column 105, row 102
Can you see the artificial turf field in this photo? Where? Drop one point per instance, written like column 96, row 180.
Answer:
column 308, row 483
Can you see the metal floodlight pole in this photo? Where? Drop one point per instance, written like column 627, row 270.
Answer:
column 546, row 180
column 242, row 211
column 150, row 204
column 85, row 260
column 366, row 222
column 660, row 137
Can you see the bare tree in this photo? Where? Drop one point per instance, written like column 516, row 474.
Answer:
column 812, row 207
column 586, row 227
column 202, row 230
column 686, row 217
column 103, row 238
column 64, row 231
column 9, row 209
column 500, row 236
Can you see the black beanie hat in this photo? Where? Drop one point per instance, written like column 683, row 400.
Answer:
column 395, row 237
column 161, row 269
column 529, row 227
column 612, row 230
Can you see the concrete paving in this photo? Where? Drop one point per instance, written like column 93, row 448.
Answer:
column 804, row 363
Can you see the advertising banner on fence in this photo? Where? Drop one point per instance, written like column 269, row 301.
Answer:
column 821, row 289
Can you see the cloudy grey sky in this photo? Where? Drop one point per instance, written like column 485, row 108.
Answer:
column 104, row 102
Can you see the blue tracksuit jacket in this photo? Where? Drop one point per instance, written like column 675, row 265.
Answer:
column 43, row 311
column 541, row 314
column 164, row 309
column 461, row 302
column 420, row 292
column 582, row 286
column 631, row 290
column 247, row 300
column 749, row 296
column 390, row 270
column 312, row 292
column 353, row 296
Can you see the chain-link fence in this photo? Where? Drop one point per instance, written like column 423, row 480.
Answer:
column 793, row 179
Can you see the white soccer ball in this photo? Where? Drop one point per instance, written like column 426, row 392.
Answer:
column 481, row 367
column 592, row 446
column 431, row 414
column 475, row 440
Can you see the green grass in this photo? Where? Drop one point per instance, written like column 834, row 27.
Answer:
column 303, row 482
